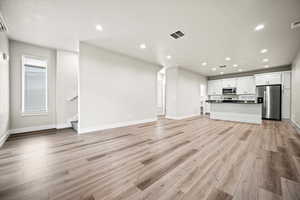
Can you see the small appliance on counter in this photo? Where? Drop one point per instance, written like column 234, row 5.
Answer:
column 229, row 91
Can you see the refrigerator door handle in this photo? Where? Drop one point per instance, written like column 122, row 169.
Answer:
column 268, row 106
column 265, row 101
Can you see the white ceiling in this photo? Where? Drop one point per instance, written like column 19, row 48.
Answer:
column 214, row 29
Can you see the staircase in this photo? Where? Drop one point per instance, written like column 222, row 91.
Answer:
column 75, row 125
column 74, row 119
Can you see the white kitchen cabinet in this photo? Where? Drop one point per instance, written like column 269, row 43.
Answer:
column 286, row 95
column 229, row 83
column 286, row 80
column 274, row 78
column 214, row 87
column 210, row 87
column 207, row 108
column 246, row 85
column 286, row 103
column 268, row 79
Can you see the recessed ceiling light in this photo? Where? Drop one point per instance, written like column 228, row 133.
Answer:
column 204, row 63
column 235, row 65
column 214, row 69
column 264, row 51
column 240, row 70
column 265, row 60
column 221, row 72
column 266, row 66
column 169, row 57
column 99, row 27
column 259, row 27
column 228, row 58
column 143, row 46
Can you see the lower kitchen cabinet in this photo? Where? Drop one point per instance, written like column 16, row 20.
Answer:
column 286, row 103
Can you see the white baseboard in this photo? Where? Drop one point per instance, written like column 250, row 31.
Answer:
column 4, row 138
column 171, row 117
column 65, row 125
column 32, row 128
column 114, row 125
column 182, row 117
column 296, row 125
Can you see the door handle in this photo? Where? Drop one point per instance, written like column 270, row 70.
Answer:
column 264, row 101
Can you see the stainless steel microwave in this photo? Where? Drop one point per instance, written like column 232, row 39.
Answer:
column 229, row 91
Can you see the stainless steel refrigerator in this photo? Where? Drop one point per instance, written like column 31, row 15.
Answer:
column 271, row 101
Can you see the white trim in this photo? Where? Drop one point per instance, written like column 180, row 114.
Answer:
column 4, row 138
column 65, row 125
column 114, row 125
column 296, row 125
column 32, row 128
column 33, row 114
column 182, row 117
column 171, row 117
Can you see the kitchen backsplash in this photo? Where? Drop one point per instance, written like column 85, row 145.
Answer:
column 238, row 97
column 246, row 97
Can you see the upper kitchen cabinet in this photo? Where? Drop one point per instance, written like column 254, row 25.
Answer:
column 268, row 79
column 214, row 87
column 286, row 80
column 246, row 85
column 229, row 83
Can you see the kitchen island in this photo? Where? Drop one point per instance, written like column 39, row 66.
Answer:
column 240, row 111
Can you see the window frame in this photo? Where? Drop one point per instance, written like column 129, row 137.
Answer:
column 23, row 113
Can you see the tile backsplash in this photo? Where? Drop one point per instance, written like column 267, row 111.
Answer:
column 239, row 97
column 246, row 97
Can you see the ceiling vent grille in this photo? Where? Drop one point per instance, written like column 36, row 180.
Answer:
column 222, row 66
column 177, row 34
column 3, row 27
column 295, row 24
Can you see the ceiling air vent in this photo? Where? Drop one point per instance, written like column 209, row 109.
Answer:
column 295, row 24
column 3, row 27
column 222, row 66
column 177, row 34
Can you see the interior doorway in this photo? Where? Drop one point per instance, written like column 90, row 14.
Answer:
column 161, row 89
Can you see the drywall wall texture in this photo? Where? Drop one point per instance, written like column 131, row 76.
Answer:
column 19, row 122
column 296, row 91
column 114, row 89
column 67, row 67
column 171, row 92
column 183, row 93
column 4, row 88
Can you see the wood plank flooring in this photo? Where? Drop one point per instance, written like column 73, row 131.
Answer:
column 195, row 158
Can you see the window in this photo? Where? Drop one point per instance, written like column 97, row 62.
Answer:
column 34, row 85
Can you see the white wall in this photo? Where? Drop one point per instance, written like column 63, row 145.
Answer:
column 19, row 123
column 171, row 92
column 4, row 89
column 161, row 93
column 67, row 67
column 114, row 90
column 296, row 91
column 183, row 93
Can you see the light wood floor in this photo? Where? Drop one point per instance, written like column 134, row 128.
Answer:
column 196, row 158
